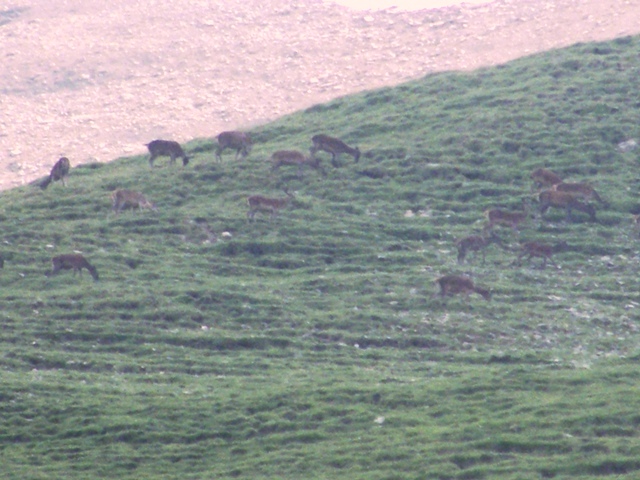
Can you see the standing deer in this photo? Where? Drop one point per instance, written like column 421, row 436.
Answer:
column 294, row 158
column 536, row 249
column 497, row 216
column 59, row 172
column 556, row 199
column 239, row 141
column 334, row 146
column 543, row 178
column 169, row 148
column 579, row 190
column 258, row 203
column 124, row 199
column 454, row 284
column 476, row 243
column 72, row 261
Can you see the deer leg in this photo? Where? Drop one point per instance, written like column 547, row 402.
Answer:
column 334, row 160
column 151, row 159
column 568, row 219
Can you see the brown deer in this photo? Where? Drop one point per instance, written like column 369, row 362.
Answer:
column 72, row 261
column 556, row 199
column 536, row 249
column 454, row 284
column 124, row 199
column 169, row 148
column 543, row 178
column 334, row 146
column 579, row 190
column 497, row 216
column 294, row 158
column 239, row 141
column 476, row 243
column 60, row 171
column 258, row 203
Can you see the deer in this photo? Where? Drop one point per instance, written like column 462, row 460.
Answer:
column 497, row 216
column 72, row 261
column 580, row 190
column 566, row 200
column 536, row 249
column 476, row 243
column 453, row 284
column 239, row 141
column 124, row 199
column 294, row 157
column 169, row 148
column 334, row 146
column 59, row 171
column 258, row 203
column 543, row 178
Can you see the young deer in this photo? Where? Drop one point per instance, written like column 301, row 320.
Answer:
column 334, row 146
column 536, row 249
column 543, row 178
column 168, row 148
column 556, row 199
column 496, row 216
column 476, row 243
column 72, row 261
column 579, row 190
column 239, row 141
column 453, row 284
column 124, row 199
column 258, row 203
column 59, row 172
column 295, row 158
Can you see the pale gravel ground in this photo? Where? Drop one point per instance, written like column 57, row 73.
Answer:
column 95, row 80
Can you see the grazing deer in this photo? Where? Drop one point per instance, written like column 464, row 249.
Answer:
column 579, row 190
column 536, row 249
column 556, row 199
column 258, row 203
column 239, row 141
column 59, row 172
column 72, row 261
column 168, row 148
column 334, row 146
column 294, row 157
column 123, row 199
column 543, row 178
column 496, row 216
column 453, row 284
column 476, row 243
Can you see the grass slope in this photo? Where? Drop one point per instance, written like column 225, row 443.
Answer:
column 312, row 346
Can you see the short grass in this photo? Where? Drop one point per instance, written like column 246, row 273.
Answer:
column 312, row 346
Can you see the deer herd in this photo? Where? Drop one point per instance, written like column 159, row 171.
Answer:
column 549, row 189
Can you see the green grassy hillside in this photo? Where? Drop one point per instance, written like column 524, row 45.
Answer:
column 312, row 345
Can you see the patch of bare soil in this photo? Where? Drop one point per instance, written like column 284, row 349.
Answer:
column 94, row 80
